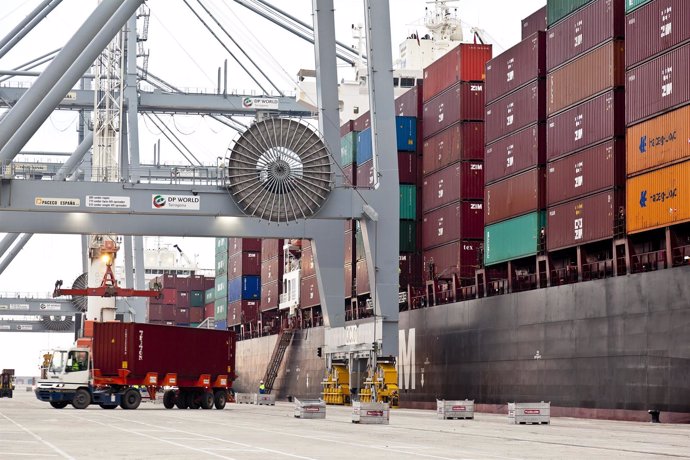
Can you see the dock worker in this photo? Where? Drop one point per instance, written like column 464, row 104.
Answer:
column 262, row 387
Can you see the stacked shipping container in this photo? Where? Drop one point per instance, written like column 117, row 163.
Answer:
column 244, row 280
column 220, row 301
column 182, row 300
column 272, row 266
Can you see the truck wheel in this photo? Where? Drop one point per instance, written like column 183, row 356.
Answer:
column 107, row 406
column 169, row 399
column 193, row 400
column 81, row 399
column 181, row 400
column 58, row 404
column 207, row 400
column 220, row 398
column 131, row 399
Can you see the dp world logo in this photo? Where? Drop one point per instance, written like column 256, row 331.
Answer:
column 158, row 201
column 247, row 102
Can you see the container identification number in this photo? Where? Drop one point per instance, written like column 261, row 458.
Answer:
column 663, row 196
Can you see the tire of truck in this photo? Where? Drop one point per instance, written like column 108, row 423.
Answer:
column 59, row 404
column 220, row 398
column 81, row 399
column 193, row 400
column 181, row 400
column 130, row 399
column 207, row 400
column 169, row 399
column 107, row 406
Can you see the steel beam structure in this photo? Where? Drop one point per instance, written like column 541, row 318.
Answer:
column 16, row 249
column 36, row 306
column 27, row 25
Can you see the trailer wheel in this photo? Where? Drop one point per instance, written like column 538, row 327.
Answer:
column 220, row 398
column 81, row 399
column 181, row 400
column 59, row 404
column 169, row 399
column 207, row 400
column 131, row 399
column 193, row 400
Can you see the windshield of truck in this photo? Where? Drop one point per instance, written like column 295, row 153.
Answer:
column 57, row 362
column 77, row 361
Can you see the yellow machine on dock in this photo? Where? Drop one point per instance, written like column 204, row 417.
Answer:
column 384, row 384
column 336, row 385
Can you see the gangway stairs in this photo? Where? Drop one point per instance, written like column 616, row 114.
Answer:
column 277, row 358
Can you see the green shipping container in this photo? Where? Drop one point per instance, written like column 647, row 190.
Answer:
column 221, row 288
column 558, row 9
column 408, row 202
column 196, row 298
column 348, row 148
column 221, row 264
column 221, row 311
column 513, row 239
column 209, row 295
column 408, row 236
column 222, row 246
column 634, row 4
column 194, row 324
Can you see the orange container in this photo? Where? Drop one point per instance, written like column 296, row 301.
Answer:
column 659, row 141
column 658, row 198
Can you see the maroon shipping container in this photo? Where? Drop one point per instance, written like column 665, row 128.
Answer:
column 410, row 268
column 243, row 312
column 593, row 73
column 196, row 283
column 601, row 167
column 461, row 181
column 463, row 63
column 462, row 102
column 165, row 281
column 309, row 292
column 517, row 66
column 515, row 153
column 459, row 220
column 271, row 247
column 272, row 270
column 585, row 125
column 210, row 310
column 362, row 122
column 533, row 23
column 365, row 174
column 347, row 127
column 462, row 141
column 182, row 299
column 236, row 245
column 409, row 104
column 209, row 282
column 656, row 28
column 349, row 242
column 518, row 110
column 307, row 262
column 196, row 314
column 181, row 283
column 270, row 295
column 350, row 177
column 584, row 220
column 349, row 281
column 168, row 297
column 182, row 315
column 458, row 258
column 514, row 196
column 161, row 312
column 144, row 348
column 362, row 278
column 408, row 172
column 584, row 30
column 244, row 264
column 658, row 85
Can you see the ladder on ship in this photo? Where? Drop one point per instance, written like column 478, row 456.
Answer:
column 277, row 358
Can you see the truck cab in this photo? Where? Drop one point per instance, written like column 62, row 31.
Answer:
column 68, row 372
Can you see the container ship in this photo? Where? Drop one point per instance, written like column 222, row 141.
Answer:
column 544, row 232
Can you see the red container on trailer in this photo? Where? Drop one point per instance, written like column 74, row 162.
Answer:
column 533, row 23
column 309, row 292
column 463, row 63
column 196, row 314
column 515, row 111
column 409, row 104
column 362, row 278
column 461, row 181
column 591, row 170
column 271, row 247
column 410, row 268
column 272, row 270
column 655, row 28
column 461, row 102
column 243, row 264
column 459, row 220
column 585, row 125
column 583, row 220
column 270, row 295
column 514, row 196
column 515, row 153
column 517, row 66
column 182, row 299
column 458, row 258
column 462, row 141
column 236, row 245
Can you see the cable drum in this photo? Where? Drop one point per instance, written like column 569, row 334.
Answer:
column 279, row 170
column 80, row 302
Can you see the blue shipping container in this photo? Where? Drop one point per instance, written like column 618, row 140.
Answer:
column 244, row 288
column 406, row 135
column 364, row 149
column 222, row 325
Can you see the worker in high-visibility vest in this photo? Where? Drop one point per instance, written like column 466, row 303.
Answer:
column 262, row 387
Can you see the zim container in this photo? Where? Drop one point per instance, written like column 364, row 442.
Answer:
column 517, row 152
column 244, row 263
column 533, row 23
column 461, row 181
column 270, row 295
column 243, row 312
column 517, row 195
column 461, row 220
column 659, row 141
column 515, row 111
column 463, row 63
column 272, row 270
column 655, row 29
column 513, row 239
column 558, row 9
column 583, row 220
column 271, row 248
column 462, row 102
column 309, row 292
column 407, row 170
column 462, row 141
column 458, row 258
column 588, row 75
column 182, row 299
column 591, row 170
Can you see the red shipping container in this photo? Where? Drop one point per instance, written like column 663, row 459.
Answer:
column 182, row 315
column 409, row 104
column 272, row 270
column 585, row 29
column 461, row 181
column 459, row 220
column 410, row 267
column 250, row 311
column 347, row 127
column 309, row 292
column 407, row 170
column 182, row 299
column 658, row 85
column 514, row 196
column 349, row 281
column 144, row 348
column 271, row 247
column 166, row 281
column 517, row 66
column 362, row 278
column 168, row 297
column 196, row 314
column 181, row 283
column 236, row 245
column 307, row 267
column 518, row 110
column 209, row 282
column 585, row 125
column 270, row 295
column 533, row 23
column 590, row 74
column 582, row 221
column 244, row 264
column 350, row 177
column 196, row 283
column 161, row 312
column 349, row 241
column 458, row 258
column 515, row 153
column 462, row 102
column 362, row 122
column 209, row 310
column 656, row 28
column 462, row 141
column 598, row 168
column 464, row 63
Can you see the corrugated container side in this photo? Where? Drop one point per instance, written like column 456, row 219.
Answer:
column 221, row 309
column 307, row 262
column 271, row 248
column 270, row 295
column 462, row 141
column 309, row 292
column 210, row 310
column 348, row 148
column 196, row 298
column 244, row 263
column 462, row 102
column 631, row 5
column 349, row 281
column 162, row 312
column 196, row 314
column 362, row 278
column 409, row 104
column 272, row 270
column 209, row 282
column 517, row 66
column 590, row 74
column 659, row 141
column 349, row 237
column 181, row 283
column 461, row 181
column 585, row 125
column 244, row 288
column 182, row 299
column 408, row 235
column 658, row 198
column 347, row 127
column 598, row 168
column 365, row 151
column 196, row 283
column 517, row 195
column 406, row 133
column 658, row 85
column 182, row 315
column 236, row 245
column 513, row 239
column 350, row 176
column 558, row 9
column 515, row 153
column 408, row 202
column 408, row 168
column 464, row 63
column 221, row 265
column 458, row 258
column 410, row 270
column 221, row 245
column 598, row 22
column 362, row 122
column 533, row 23
column 460, row 220
column 515, row 111
column 221, row 325
column 209, row 295
column 221, row 287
